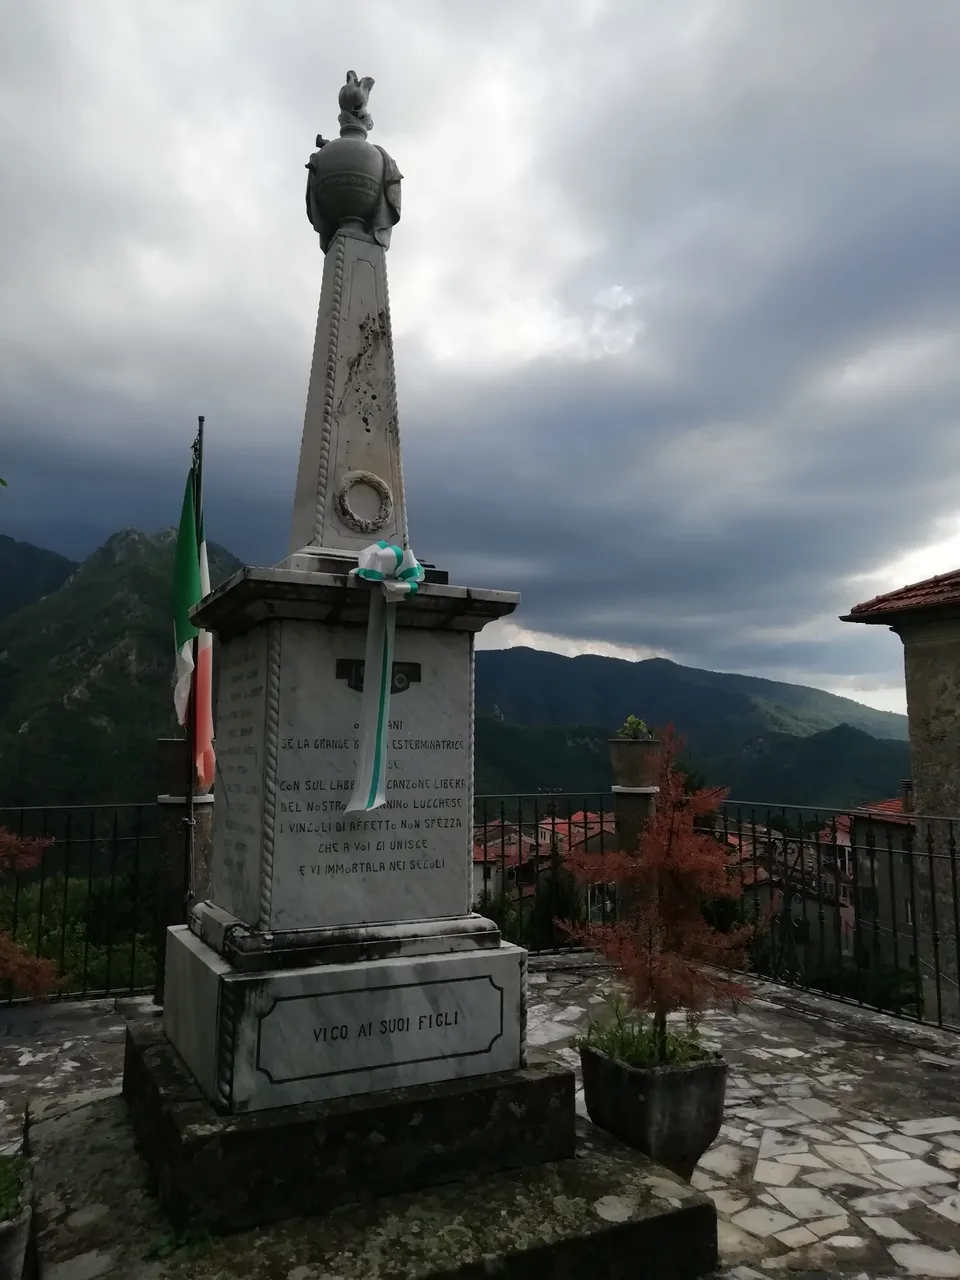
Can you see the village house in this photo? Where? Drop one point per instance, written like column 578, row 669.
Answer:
column 915, row 912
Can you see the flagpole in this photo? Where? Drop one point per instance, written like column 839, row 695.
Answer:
column 190, row 824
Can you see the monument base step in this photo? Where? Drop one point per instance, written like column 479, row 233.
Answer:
column 256, row 1041
column 607, row 1214
column 224, row 1173
column 250, row 950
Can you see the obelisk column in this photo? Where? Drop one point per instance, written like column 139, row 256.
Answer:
column 349, row 482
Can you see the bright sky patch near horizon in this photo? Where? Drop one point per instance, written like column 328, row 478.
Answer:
column 675, row 298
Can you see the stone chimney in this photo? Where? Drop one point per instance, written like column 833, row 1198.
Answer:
column 907, row 795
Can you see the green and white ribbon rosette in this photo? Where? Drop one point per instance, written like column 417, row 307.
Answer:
column 398, row 575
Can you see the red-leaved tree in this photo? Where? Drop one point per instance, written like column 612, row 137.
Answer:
column 30, row 975
column 660, row 943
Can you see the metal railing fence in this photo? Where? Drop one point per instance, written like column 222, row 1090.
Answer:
column 90, row 905
column 860, row 905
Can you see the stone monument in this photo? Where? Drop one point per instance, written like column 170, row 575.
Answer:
column 338, row 955
column 339, row 1028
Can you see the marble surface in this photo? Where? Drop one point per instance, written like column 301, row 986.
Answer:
column 255, row 595
column 333, row 1031
column 191, row 1003
column 238, row 799
column 350, row 426
column 247, row 949
column 409, row 860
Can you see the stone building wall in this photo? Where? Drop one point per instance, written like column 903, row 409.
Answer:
column 931, row 660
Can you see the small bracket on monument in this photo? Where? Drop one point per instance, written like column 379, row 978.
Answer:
column 404, row 674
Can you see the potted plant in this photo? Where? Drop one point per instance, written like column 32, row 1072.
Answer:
column 635, row 755
column 15, row 1215
column 652, row 1085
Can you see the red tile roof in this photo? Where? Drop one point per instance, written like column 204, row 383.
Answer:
column 577, row 828
column 940, row 592
column 886, row 810
column 753, row 875
column 578, row 819
column 842, row 824
column 509, row 855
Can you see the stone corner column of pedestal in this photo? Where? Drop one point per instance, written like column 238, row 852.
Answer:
column 180, row 886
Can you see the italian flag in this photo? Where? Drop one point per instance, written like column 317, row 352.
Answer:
column 191, row 582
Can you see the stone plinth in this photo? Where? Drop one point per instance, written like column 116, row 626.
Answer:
column 338, row 953
column 250, row 951
column 226, row 1173
column 260, row 1040
column 296, row 684
column 286, row 857
column 607, row 1214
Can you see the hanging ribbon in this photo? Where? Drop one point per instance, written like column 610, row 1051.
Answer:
column 398, row 575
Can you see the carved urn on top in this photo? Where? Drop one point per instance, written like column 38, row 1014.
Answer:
column 352, row 185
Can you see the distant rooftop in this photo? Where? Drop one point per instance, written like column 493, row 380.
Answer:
column 941, row 593
column 887, row 810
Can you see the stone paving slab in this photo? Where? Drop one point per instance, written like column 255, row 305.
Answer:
column 594, row 1215
column 58, row 1048
column 840, row 1152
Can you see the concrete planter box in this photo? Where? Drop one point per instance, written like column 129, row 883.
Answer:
column 672, row 1113
column 635, row 761
column 15, row 1236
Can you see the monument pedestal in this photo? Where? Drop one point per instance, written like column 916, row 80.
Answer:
column 271, row 1039
column 226, row 1173
column 339, row 954
column 287, row 857
column 608, row 1213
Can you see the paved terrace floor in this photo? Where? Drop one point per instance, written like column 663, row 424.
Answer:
column 839, row 1156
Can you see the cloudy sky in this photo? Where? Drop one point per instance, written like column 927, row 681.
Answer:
column 676, row 297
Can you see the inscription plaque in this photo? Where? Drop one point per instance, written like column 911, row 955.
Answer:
column 408, row 860
column 238, row 811
column 340, row 1033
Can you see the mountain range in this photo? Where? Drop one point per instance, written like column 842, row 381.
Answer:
column 28, row 572
column 86, row 689
column 85, row 676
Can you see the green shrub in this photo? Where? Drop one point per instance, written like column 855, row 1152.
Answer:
column 95, row 932
column 634, row 1041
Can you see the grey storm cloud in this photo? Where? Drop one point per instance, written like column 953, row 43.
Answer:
column 675, row 292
